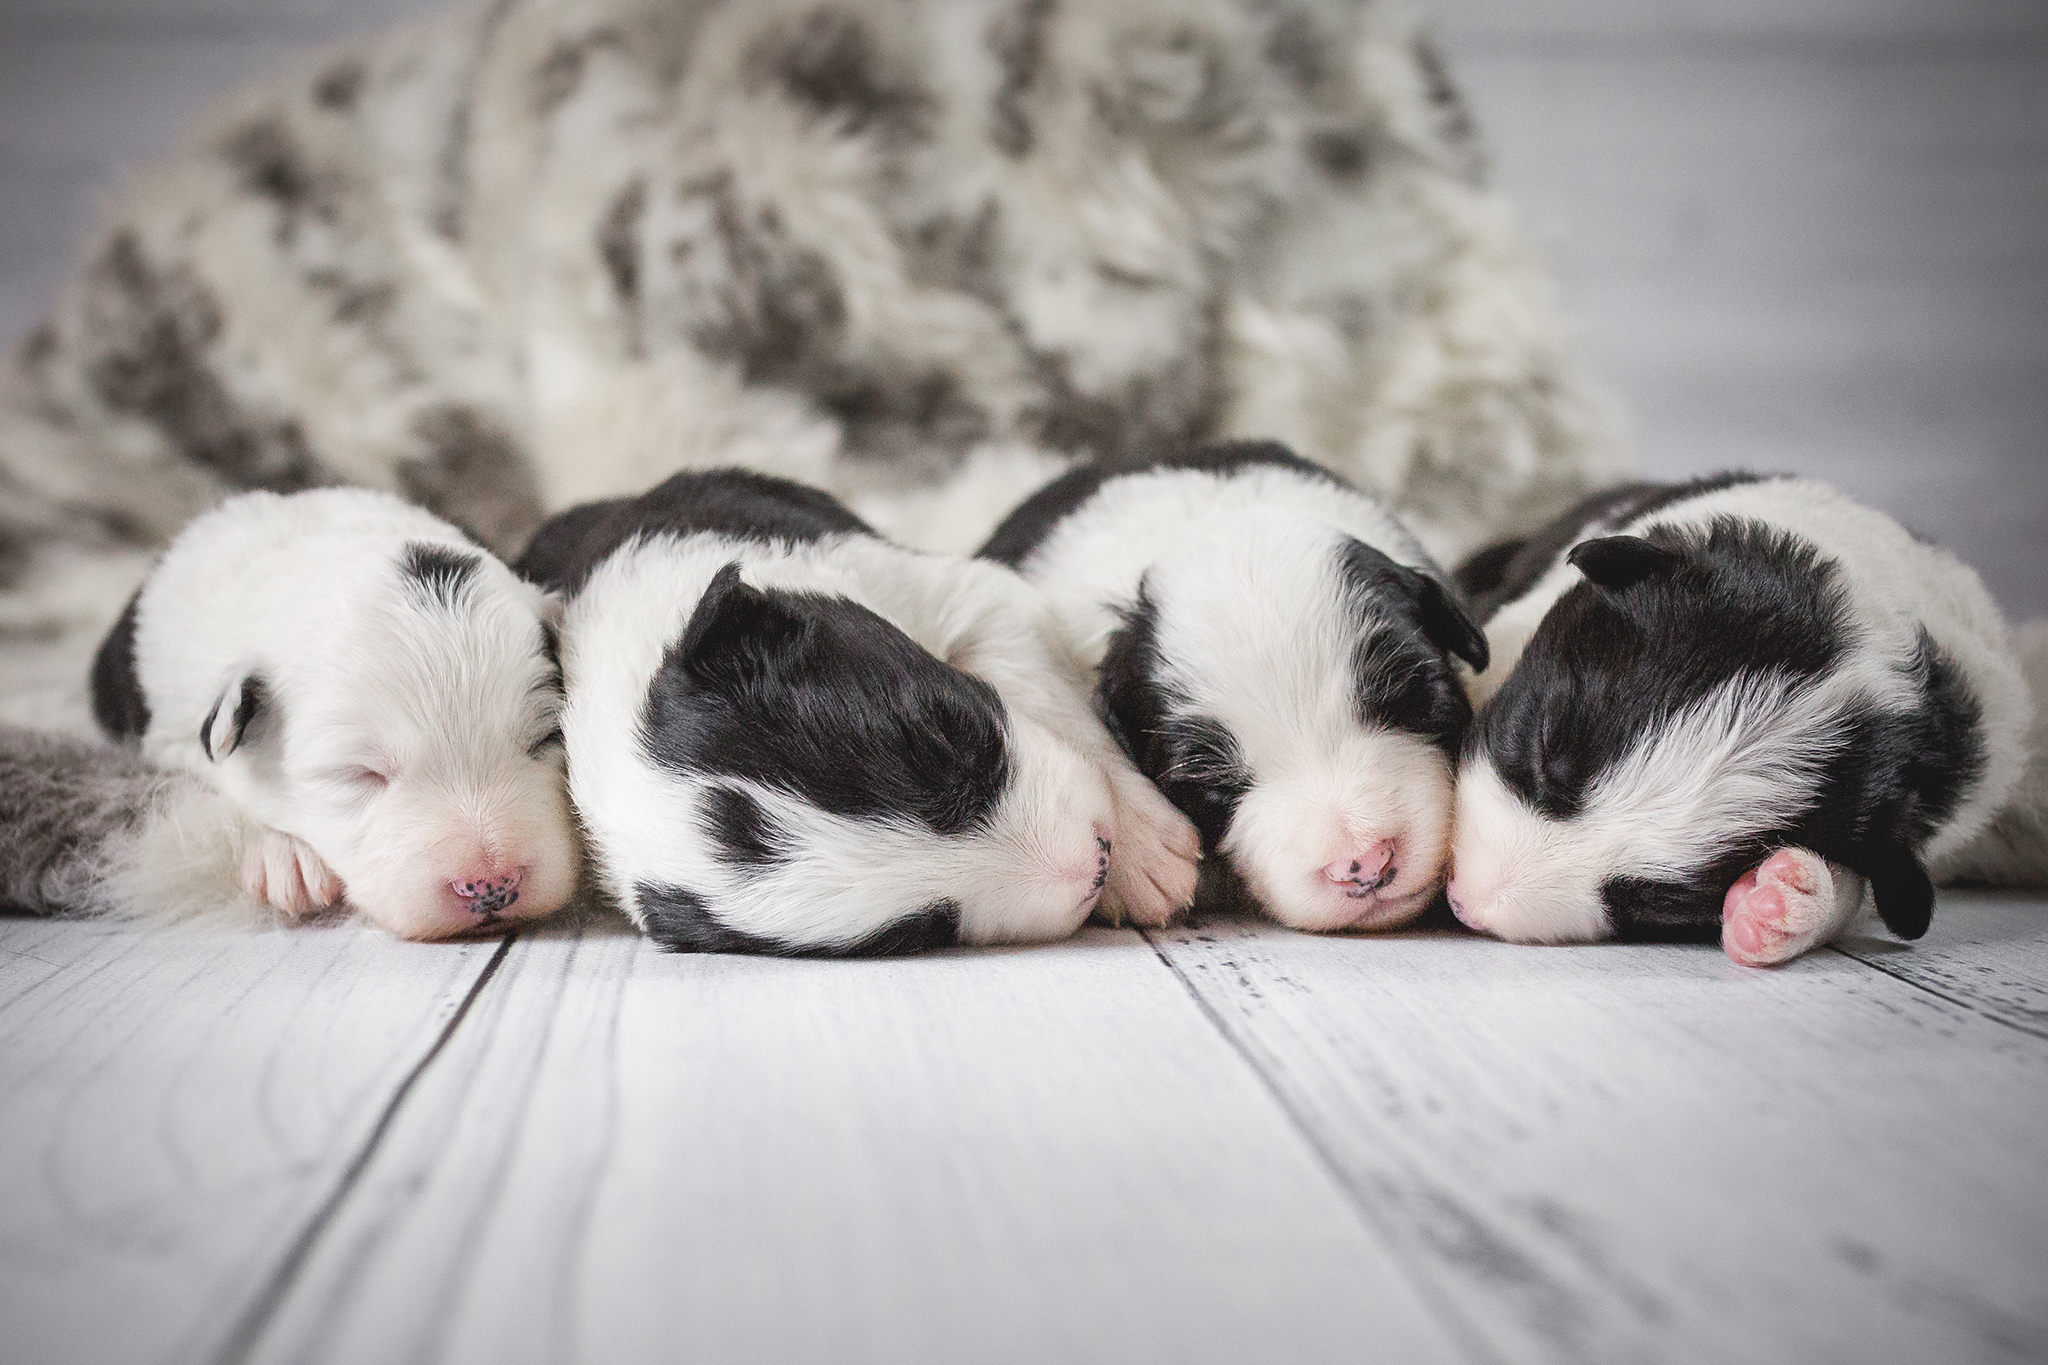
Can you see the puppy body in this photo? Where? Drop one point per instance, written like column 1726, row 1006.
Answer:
column 373, row 692
column 1720, row 708
column 787, row 735
column 1270, row 644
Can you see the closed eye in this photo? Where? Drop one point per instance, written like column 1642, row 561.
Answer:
column 359, row 777
column 546, row 743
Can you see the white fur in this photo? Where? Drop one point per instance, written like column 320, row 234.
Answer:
column 1738, row 762
column 395, row 743
column 1257, row 632
column 1024, row 878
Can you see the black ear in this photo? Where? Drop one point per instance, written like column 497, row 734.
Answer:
column 1902, row 889
column 1616, row 562
column 1448, row 625
column 239, row 703
column 737, row 633
column 1126, row 682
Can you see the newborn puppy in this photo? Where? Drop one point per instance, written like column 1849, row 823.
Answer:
column 787, row 735
column 375, row 692
column 1270, row 646
column 1727, row 706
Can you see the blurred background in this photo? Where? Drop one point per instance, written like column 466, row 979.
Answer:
column 1797, row 234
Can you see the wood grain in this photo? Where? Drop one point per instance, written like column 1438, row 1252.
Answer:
column 1986, row 951
column 177, row 1109
column 1035, row 1155
column 1623, row 1153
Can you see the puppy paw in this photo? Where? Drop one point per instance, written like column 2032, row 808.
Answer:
column 1790, row 902
column 1153, row 863
column 286, row 874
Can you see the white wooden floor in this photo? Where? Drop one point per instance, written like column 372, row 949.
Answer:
column 1225, row 1143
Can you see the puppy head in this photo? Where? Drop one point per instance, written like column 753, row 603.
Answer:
column 1288, row 688
column 1701, row 699
column 799, row 776
column 415, row 745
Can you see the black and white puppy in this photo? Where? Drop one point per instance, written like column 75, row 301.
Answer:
column 787, row 735
column 1722, row 708
column 1273, row 649
column 378, row 695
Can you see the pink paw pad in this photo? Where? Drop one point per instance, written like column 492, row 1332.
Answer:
column 1777, row 910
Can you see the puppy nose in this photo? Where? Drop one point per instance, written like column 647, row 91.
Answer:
column 1366, row 871
column 1102, row 847
column 491, row 894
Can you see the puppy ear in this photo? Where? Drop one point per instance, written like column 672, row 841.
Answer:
column 1444, row 620
column 1448, row 625
column 1902, row 889
column 1126, row 690
column 1617, row 562
column 239, row 703
column 737, row 633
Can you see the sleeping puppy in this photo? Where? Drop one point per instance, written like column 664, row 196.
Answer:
column 1727, row 706
column 1272, row 648
column 377, row 694
column 787, row 735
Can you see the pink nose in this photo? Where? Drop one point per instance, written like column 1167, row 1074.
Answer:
column 1366, row 872
column 488, row 896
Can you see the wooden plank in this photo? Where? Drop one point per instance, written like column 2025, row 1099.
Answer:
column 1627, row 1153
column 178, row 1108
column 1987, row 951
column 1031, row 1155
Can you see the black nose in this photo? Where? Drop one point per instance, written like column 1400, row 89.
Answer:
column 1101, row 863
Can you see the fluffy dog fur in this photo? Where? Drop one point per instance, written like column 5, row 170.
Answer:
column 918, row 253
column 1271, row 646
column 788, row 735
column 1720, row 709
column 374, row 693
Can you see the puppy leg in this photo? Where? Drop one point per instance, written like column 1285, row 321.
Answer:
column 1792, row 901
column 288, row 875
column 1153, row 859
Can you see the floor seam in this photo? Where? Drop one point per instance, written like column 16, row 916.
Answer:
column 1460, row 1331
column 1957, row 1001
column 241, row 1342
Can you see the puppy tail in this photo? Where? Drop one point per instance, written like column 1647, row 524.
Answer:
column 2013, row 849
column 89, row 829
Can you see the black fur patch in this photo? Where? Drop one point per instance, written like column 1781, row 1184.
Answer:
column 1026, row 528
column 148, row 334
column 1174, row 406
column 755, row 296
column 1455, row 128
column 730, row 502
column 820, row 697
column 1016, row 38
column 248, row 705
column 1503, row 573
column 827, row 63
column 436, row 576
column 118, row 703
column 1605, row 667
column 745, row 833
column 1406, row 623
column 1192, row 759
column 1342, row 154
column 474, row 474
column 682, row 920
column 1295, row 46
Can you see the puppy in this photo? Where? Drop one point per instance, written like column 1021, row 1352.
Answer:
column 376, row 693
column 787, row 735
column 1727, row 706
column 1272, row 648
